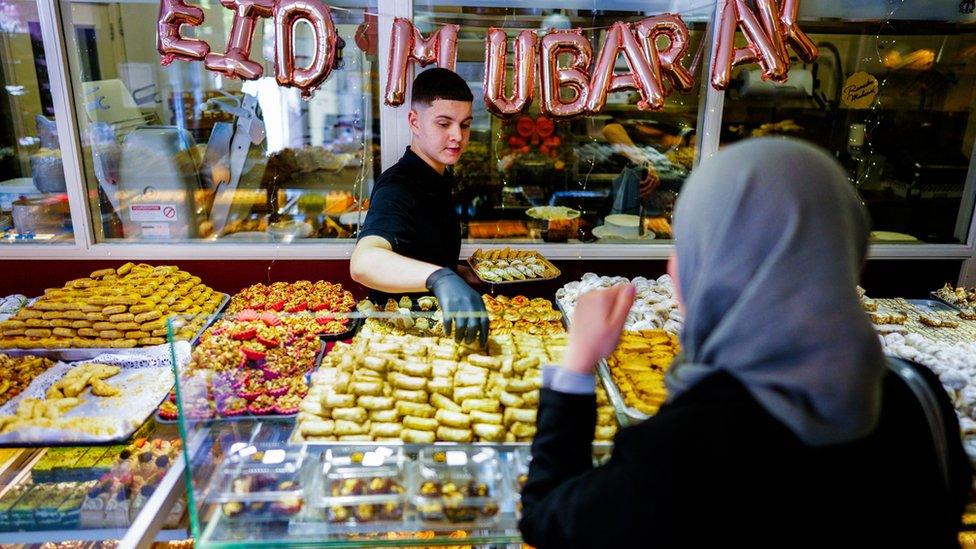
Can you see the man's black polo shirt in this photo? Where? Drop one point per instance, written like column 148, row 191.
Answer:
column 411, row 208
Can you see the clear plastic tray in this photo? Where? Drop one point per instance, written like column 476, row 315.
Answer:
column 361, row 485
column 255, row 483
column 456, row 486
column 518, row 471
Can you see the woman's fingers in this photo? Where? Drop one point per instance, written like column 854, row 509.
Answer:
column 623, row 300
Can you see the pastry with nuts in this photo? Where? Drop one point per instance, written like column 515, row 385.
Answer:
column 114, row 308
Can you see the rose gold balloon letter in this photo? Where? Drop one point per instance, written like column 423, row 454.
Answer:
column 554, row 78
column 319, row 17
column 173, row 14
column 667, row 62
column 761, row 48
column 523, row 79
column 620, row 38
column 408, row 44
column 236, row 62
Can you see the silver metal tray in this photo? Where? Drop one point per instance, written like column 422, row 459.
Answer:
column 559, row 307
column 74, row 355
column 143, row 381
column 935, row 297
column 553, row 271
column 626, row 415
column 932, row 305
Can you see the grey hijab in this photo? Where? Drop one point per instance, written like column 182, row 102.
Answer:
column 770, row 240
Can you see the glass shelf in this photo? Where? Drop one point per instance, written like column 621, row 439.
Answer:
column 85, row 479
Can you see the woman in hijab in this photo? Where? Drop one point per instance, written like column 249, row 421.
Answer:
column 783, row 425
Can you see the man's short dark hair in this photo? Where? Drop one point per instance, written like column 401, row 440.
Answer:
column 437, row 83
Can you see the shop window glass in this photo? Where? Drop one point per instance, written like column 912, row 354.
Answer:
column 178, row 153
column 892, row 97
column 593, row 165
column 33, row 202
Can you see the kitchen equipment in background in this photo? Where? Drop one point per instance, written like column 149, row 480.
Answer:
column 47, row 169
column 40, row 215
column 800, row 84
column 168, row 188
column 159, row 181
column 553, row 223
column 231, row 163
column 12, row 189
column 112, row 115
column 106, row 156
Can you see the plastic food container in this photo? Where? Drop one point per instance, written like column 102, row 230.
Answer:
column 362, row 486
column 13, row 189
column 456, row 485
column 519, row 471
column 259, row 484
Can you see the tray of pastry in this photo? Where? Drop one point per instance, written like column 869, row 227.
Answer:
column 625, row 415
column 323, row 305
column 932, row 319
column 509, row 266
column 353, row 325
column 119, row 308
column 87, row 402
column 420, row 390
column 961, row 299
column 419, row 316
column 199, row 323
column 17, row 373
column 633, row 374
column 509, row 315
column 375, row 488
column 269, row 385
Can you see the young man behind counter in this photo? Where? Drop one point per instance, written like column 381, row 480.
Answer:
column 411, row 238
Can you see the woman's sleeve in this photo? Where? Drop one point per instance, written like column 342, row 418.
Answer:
column 961, row 472
column 566, row 501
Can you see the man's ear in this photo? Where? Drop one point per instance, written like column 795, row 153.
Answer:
column 413, row 119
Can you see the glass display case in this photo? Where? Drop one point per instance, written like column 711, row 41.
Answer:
column 366, row 427
column 83, row 369
column 95, row 493
column 177, row 154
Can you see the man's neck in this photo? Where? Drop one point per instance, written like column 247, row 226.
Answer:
column 438, row 167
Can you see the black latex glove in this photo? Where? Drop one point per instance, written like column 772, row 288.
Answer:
column 461, row 306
